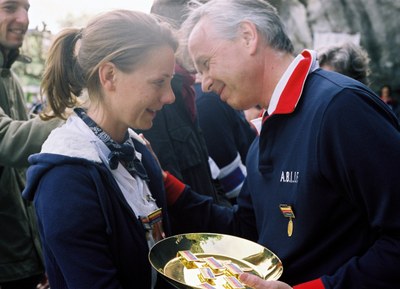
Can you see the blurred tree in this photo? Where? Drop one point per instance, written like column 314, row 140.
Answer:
column 30, row 67
column 73, row 20
column 34, row 50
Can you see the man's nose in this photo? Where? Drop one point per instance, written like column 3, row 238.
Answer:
column 206, row 83
column 22, row 16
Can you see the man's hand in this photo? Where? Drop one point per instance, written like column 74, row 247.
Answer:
column 256, row 282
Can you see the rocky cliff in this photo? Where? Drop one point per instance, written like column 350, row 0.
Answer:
column 374, row 24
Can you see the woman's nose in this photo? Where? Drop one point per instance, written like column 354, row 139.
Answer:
column 169, row 96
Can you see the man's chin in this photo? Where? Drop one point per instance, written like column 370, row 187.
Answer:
column 11, row 46
column 234, row 104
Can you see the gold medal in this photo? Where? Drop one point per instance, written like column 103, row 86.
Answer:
column 287, row 212
column 290, row 228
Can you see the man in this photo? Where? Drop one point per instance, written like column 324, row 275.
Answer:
column 322, row 187
column 21, row 263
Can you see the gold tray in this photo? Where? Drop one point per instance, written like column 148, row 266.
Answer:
column 250, row 256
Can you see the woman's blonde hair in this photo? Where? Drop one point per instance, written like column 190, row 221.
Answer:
column 122, row 37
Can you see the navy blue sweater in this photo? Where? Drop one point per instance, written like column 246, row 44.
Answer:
column 335, row 159
column 91, row 237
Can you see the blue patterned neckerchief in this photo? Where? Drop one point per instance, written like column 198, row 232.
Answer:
column 123, row 153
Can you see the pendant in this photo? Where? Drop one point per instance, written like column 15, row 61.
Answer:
column 290, row 227
column 287, row 212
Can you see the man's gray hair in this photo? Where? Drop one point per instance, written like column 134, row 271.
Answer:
column 227, row 15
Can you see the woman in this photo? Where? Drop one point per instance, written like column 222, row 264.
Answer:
column 94, row 183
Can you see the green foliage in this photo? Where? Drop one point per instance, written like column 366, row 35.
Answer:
column 35, row 46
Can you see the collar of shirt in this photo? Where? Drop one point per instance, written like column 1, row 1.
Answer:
column 290, row 87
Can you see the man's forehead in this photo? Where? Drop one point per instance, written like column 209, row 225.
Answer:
column 202, row 37
column 198, row 42
column 199, row 32
column 14, row 1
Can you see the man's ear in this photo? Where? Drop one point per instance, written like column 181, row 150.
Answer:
column 249, row 36
column 107, row 76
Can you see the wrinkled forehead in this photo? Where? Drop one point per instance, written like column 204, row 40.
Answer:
column 199, row 34
column 202, row 37
column 199, row 42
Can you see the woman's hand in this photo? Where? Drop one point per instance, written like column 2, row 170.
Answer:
column 256, row 282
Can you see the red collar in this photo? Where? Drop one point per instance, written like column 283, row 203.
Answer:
column 290, row 87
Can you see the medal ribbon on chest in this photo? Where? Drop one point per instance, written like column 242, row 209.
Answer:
column 153, row 224
column 287, row 212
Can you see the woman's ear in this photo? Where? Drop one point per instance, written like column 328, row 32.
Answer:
column 107, row 76
column 249, row 36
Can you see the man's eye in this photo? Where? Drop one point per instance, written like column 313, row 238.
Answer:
column 206, row 63
column 10, row 8
column 159, row 82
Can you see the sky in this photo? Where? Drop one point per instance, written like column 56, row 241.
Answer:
column 51, row 11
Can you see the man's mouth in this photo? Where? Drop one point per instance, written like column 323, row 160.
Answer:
column 17, row 31
column 221, row 90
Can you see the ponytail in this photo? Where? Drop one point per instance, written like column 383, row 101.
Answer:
column 62, row 81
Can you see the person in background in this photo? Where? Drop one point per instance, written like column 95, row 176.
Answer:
column 97, row 190
column 228, row 137
column 346, row 58
column 353, row 61
column 386, row 96
column 176, row 136
column 322, row 186
column 21, row 264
